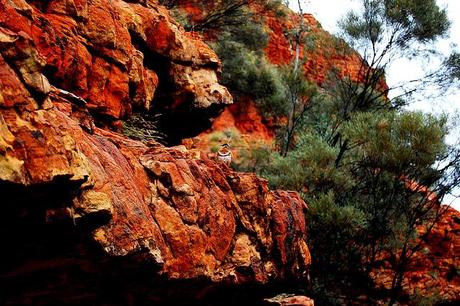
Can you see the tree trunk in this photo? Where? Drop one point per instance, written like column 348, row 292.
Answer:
column 395, row 287
column 398, row 277
column 291, row 116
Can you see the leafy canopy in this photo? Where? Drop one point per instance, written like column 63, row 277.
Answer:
column 396, row 22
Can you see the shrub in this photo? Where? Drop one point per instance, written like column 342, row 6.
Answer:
column 254, row 157
column 249, row 73
column 182, row 17
column 277, row 7
column 249, row 33
column 143, row 127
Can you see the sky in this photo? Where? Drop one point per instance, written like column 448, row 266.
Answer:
column 328, row 12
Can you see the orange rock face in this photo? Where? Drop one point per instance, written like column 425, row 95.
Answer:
column 245, row 117
column 325, row 52
column 91, row 217
column 111, row 53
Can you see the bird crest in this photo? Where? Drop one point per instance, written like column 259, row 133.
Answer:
column 224, row 150
column 225, row 154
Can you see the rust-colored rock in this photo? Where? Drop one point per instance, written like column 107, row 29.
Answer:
column 245, row 117
column 189, row 216
column 91, row 217
column 113, row 54
column 325, row 51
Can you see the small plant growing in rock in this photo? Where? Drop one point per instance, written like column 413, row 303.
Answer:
column 142, row 127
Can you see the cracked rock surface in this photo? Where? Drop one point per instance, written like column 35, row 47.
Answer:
column 91, row 217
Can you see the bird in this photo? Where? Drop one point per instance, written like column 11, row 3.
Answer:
column 225, row 154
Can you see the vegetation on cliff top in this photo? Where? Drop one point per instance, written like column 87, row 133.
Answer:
column 372, row 172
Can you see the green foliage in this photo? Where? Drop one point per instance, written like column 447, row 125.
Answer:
column 364, row 206
column 143, row 127
column 338, row 229
column 300, row 95
column 230, row 136
column 367, row 189
column 401, row 21
column 308, row 168
column 431, row 299
column 398, row 141
column 422, row 20
column 453, row 64
column 250, row 33
column 342, row 227
column 241, row 67
column 247, row 72
column 253, row 157
column 366, row 27
column 277, row 7
column 450, row 72
column 296, row 83
column 181, row 17
column 385, row 30
column 388, row 151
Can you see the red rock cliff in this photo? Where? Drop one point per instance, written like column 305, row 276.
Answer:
column 325, row 56
column 91, row 217
column 117, row 56
column 435, row 270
